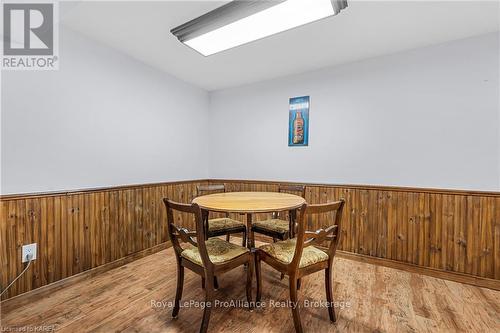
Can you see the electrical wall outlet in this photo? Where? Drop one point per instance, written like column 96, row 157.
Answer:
column 29, row 250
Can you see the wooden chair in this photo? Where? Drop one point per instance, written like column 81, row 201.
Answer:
column 278, row 226
column 208, row 258
column 298, row 257
column 224, row 225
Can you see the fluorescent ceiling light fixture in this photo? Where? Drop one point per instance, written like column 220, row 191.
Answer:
column 240, row 22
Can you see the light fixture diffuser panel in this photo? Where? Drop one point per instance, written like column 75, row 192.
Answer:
column 281, row 17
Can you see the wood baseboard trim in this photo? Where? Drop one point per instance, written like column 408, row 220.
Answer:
column 57, row 285
column 437, row 273
column 366, row 187
column 17, row 196
column 50, row 288
column 350, row 186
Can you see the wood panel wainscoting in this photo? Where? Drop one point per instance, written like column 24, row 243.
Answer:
column 444, row 233
column 450, row 234
column 81, row 230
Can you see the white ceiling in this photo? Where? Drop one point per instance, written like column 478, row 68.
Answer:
column 365, row 29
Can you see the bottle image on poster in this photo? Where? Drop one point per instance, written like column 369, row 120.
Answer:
column 298, row 121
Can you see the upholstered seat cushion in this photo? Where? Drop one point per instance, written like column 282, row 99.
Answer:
column 283, row 251
column 223, row 224
column 219, row 251
column 275, row 225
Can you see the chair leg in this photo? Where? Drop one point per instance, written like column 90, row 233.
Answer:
column 209, row 296
column 329, row 294
column 258, row 277
column 178, row 293
column 299, row 283
column 295, row 308
column 274, row 239
column 203, row 283
column 216, row 283
column 249, row 281
column 282, row 275
column 244, row 244
column 228, row 237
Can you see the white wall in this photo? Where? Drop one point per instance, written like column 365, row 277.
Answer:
column 425, row 118
column 102, row 119
column 428, row 117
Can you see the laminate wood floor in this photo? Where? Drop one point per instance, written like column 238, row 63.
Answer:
column 135, row 298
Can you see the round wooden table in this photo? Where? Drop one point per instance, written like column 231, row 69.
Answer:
column 249, row 203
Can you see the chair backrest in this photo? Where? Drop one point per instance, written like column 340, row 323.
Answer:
column 210, row 189
column 299, row 190
column 331, row 233
column 179, row 234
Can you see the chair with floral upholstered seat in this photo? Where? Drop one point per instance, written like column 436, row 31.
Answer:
column 280, row 226
column 304, row 255
column 223, row 225
column 206, row 257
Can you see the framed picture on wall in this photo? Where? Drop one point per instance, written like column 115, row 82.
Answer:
column 298, row 121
